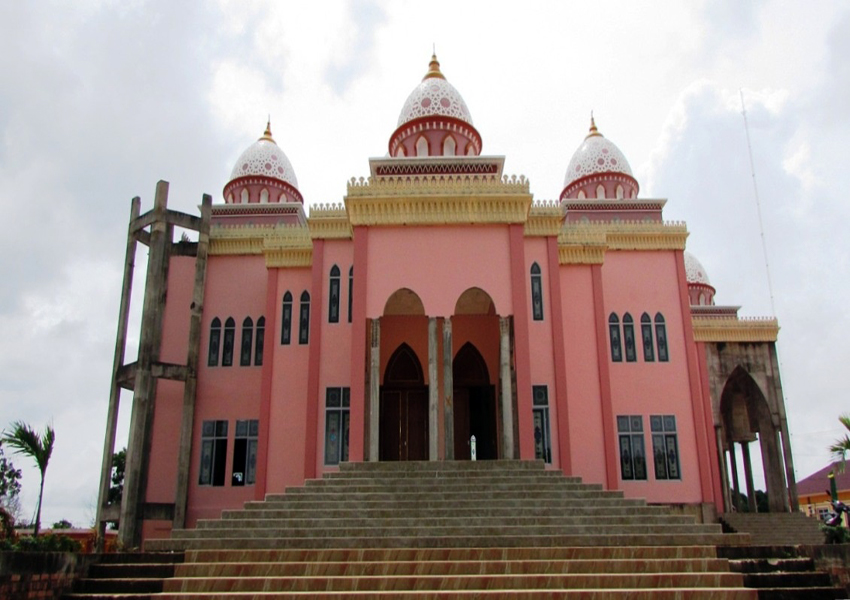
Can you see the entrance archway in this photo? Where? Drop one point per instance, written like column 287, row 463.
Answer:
column 404, row 408
column 474, row 406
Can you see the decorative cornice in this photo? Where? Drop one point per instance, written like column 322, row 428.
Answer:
column 282, row 245
column 437, row 200
column 329, row 221
column 544, row 219
column 713, row 329
column 627, row 235
column 578, row 254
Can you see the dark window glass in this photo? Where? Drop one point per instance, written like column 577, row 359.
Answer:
column 247, row 342
column 213, row 452
column 286, row 320
column 614, row 338
column 665, row 446
column 333, row 296
column 632, row 449
column 261, row 338
column 215, row 342
column 542, row 442
column 304, row 319
column 629, row 337
column 646, row 336
column 536, row 293
column 336, row 425
column 245, row 453
column 350, row 290
column 661, row 337
column 229, row 337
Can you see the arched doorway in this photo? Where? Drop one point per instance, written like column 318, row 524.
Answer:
column 474, row 406
column 404, row 408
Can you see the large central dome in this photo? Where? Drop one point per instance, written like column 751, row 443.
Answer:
column 434, row 96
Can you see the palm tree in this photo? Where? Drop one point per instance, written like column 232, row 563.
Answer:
column 841, row 446
column 23, row 439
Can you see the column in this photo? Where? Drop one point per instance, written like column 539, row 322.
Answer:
column 724, row 472
column 448, row 391
column 433, row 391
column 748, row 474
column 507, row 449
column 736, row 486
column 375, row 390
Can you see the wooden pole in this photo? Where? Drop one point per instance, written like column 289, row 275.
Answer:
column 117, row 363
column 184, row 458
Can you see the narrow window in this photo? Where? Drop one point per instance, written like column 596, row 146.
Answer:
column 646, row 336
column 286, row 320
column 215, row 342
column 336, row 425
column 542, row 444
column 536, row 293
column 629, row 337
column 350, row 290
column 600, row 191
column 304, row 320
column 261, row 338
column 245, row 453
column 614, row 337
column 449, row 146
column 661, row 337
column 620, row 192
column 264, row 196
column 665, row 446
column 247, row 342
column 213, row 452
column 333, row 296
column 581, row 195
column 244, row 195
column 229, row 337
column 632, row 450
column 421, row 147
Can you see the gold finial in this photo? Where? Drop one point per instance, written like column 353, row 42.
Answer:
column 267, row 134
column 434, row 68
column 593, row 129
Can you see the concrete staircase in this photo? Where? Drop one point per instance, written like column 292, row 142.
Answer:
column 775, row 529
column 487, row 529
column 129, row 576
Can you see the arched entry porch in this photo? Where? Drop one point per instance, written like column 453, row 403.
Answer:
column 404, row 408
column 475, row 411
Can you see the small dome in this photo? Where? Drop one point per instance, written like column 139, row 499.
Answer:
column 265, row 158
column 434, row 96
column 694, row 271
column 596, row 155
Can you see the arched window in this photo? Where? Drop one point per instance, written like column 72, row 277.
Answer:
column 215, row 342
column 247, row 342
column 333, row 296
column 629, row 337
column 702, row 298
column 244, row 195
column 350, row 290
column 661, row 337
column 449, row 146
column 600, row 191
column 646, row 336
column 230, row 198
column 536, row 293
column 620, row 194
column 304, row 319
column 229, row 337
column 286, row 320
column 260, row 340
column 470, row 150
column 264, row 196
column 422, row 147
column 581, row 195
column 399, row 151
column 614, row 337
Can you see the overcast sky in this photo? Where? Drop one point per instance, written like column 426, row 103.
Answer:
column 99, row 99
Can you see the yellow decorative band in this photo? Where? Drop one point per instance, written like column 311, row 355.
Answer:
column 438, row 209
column 708, row 329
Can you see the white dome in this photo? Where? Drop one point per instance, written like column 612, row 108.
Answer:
column 596, row 155
column 264, row 157
column 434, row 96
column 694, row 271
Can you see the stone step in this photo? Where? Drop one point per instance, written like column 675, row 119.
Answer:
column 131, row 571
column 732, row 593
column 420, row 501
column 442, row 568
column 476, row 474
column 443, row 466
column 432, row 521
column 459, row 485
column 118, row 586
column 432, row 495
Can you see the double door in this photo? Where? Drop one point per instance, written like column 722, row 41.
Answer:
column 404, row 424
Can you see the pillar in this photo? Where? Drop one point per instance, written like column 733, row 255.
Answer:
column 374, row 389
column 433, row 391
column 724, row 471
column 736, row 485
column 448, row 391
column 507, row 441
column 748, row 474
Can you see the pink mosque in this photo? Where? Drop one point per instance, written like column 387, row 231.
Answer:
column 436, row 304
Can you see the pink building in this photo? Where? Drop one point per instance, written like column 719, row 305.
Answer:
column 437, row 303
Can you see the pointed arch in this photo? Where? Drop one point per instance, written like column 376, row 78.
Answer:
column 260, row 341
column 614, row 338
column 469, row 367
column 333, row 295
column 661, row 338
column 229, row 340
column 600, row 191
column 304, row 319
column 536, row 292
column 629, row 337
column 244, row 196
column 404, row 301
column 404, row 368
column 215, row 342
column 646, row 337
column 422, row 146
column 449, row 146
column 475, row 301
column 264, row 196
column 247, row 342
column 286, row 320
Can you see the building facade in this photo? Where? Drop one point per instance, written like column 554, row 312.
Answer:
column 438, row 303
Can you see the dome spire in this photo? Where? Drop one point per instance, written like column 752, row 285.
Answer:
column 434, row 68
column 593, row 130
column 267, row 134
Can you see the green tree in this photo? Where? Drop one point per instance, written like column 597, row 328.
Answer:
column 10, row 484
column 116, row 490
column 23, row 439
column 842, row 445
